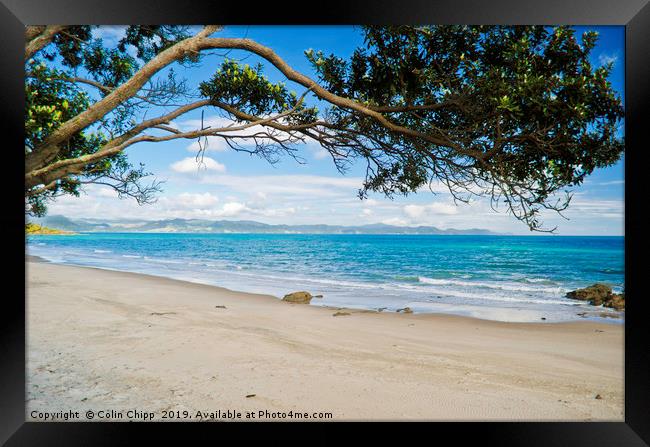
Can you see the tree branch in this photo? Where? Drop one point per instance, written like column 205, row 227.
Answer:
column 40, row 41
column 75, row 165
column 32, row 32
column 49, row 149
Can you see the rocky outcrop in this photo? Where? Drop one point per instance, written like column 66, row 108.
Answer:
column 298, row 297
column 595, row 294
column 599, row 295
column 616, row 302
column 406, row 310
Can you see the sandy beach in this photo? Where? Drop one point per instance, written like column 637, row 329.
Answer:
column 105, row 340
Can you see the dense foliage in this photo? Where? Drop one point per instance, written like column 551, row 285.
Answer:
column 522, row 108
column 54, row 95
column 517, row 113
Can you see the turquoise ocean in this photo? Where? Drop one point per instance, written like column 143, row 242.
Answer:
column 506, row 278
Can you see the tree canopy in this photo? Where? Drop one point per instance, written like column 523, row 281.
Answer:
column 514, row 113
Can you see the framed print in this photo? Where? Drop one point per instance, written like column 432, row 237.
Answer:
column 384, row 213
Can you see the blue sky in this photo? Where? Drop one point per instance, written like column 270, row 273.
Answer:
column 237, row 186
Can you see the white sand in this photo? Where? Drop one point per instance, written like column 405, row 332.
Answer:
column 103, row 340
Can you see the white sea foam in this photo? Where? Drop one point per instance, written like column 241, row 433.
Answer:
column 498, row 286
column 538, row 280
column 337, row 285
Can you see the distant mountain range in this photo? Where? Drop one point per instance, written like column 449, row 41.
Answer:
column 231, row 226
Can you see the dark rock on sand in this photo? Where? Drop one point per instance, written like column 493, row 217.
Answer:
column 340, row 314
column 406, row 310
column 298, row 297
column 599, row 295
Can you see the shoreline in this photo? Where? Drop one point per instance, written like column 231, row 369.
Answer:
column 115, row 340
column 38, row 259
column 613, row 319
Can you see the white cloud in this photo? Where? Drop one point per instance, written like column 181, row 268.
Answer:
column 240, row 210
column 204, row 205
column 443, row 208
column 214, row 122
column 416, row 212
column 197, row 200
column 190, row 165
column 395, row 221
column 232, row 209
column 185, row 204
column 214, row 144
column 106, row 192
column 605, row 58
column 316, row 180
column 435, row 187
column 288, row 185
column 321, row 154
column 275, row 212
column 366, row 212
column 110, row 33
column 597, row 207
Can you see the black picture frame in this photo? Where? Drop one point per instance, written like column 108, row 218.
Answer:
column 633, row 14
